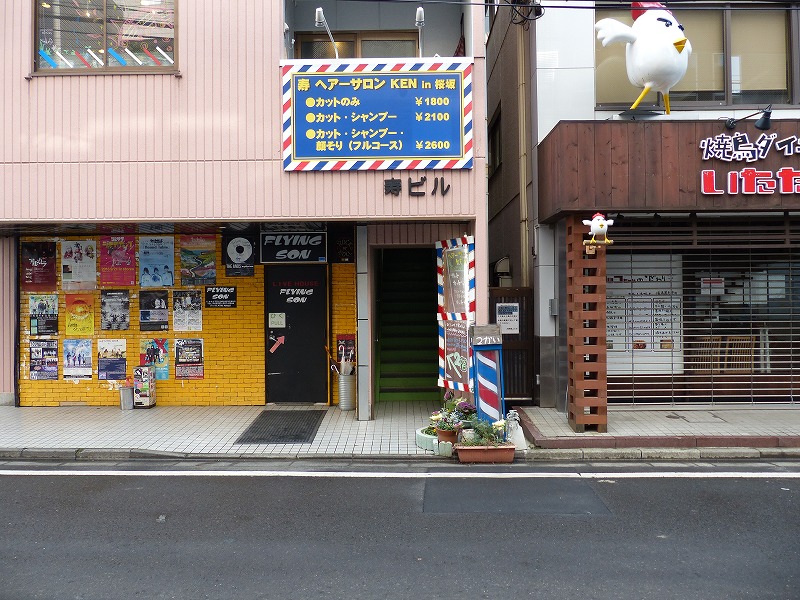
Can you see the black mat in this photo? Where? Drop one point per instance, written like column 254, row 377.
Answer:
column 283, row 427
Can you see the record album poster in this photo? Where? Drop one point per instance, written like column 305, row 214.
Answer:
column 198, row 260
column 44, row 360
column 153, row 310
column 155, row 353
column 78, row 264
column 80, row 314
column 77, row 359
column 117, row 260
column 115, row 310
column 38, row 267
column 239, row 256
column 188, row 359
column 156, row 261
column 43, row 314
column 112, row 360
column 187, row 311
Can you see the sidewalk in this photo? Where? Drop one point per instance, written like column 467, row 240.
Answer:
column 108, row 433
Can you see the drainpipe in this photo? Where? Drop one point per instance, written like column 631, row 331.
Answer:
column 524, row 234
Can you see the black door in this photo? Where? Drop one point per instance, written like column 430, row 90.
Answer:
column 297, row 331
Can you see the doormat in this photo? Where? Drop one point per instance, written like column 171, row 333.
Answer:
column 283, row 427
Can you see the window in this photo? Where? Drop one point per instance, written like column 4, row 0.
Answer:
column 739, row 56
column 104, row 35
column 495, row 157
column 397, row 44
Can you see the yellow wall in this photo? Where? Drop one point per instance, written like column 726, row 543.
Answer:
column 234, row 371
column 343, row 309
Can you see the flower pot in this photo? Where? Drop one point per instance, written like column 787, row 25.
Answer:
column 503, row 453
column 447, row 435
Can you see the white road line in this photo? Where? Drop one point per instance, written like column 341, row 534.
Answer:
column 395, row 475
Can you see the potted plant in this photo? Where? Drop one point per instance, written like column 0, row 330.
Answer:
column 488, row 444
column 452, row 418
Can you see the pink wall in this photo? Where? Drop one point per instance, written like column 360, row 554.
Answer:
column 205, row 145
column 8, row 317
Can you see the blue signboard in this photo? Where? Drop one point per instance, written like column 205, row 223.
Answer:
column 368, row 116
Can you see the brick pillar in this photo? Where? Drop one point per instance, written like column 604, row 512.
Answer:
column 587, row 393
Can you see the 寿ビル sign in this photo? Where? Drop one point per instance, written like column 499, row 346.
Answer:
column 377, row 115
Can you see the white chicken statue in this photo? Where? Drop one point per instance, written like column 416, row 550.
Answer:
column 657, row 51
column 598, row 226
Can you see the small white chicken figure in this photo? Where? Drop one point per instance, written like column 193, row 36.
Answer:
column 657, row 51
column 598, row 226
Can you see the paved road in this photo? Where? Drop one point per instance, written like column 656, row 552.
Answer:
column 308, row 530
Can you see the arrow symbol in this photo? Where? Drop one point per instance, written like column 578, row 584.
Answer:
column 454, row 362
column 277, row 343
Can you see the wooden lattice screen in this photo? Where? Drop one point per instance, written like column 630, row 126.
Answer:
column 587, row 393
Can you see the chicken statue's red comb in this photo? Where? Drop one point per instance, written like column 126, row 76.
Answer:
column 639, row 8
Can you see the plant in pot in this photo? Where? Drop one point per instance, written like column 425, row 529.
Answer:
column 455, row 416
column 488, row 444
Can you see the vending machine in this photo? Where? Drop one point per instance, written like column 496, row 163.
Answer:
column 144, row 387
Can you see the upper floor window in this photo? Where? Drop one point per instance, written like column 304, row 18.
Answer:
column 395, row 44
column 739, row 56
column 109, row 35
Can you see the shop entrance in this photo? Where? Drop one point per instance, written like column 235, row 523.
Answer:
column 297, row 331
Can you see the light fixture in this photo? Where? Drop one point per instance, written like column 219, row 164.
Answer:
column 419, row 23
column 763, row 123
column 319, row 21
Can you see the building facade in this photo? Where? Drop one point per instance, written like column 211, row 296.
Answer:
column 696, row 301
column 210, row 188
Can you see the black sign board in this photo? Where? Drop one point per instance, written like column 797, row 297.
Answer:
column 221, row 297
column 294, row 247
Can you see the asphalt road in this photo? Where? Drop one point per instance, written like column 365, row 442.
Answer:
column 193, row 531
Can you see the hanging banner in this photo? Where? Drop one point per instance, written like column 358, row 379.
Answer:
column 80, row 314
column 78, row 265
column 198, row 260
column 43, row 311
column 153, row 311
column 155, row 353
column 77, row 359
column 117, row 260
column 189, row 359
column 38, row 261
column 44, row 360
column 112, row 360
column 187, row 311
column 240, row 258
column 377, row 114
column 115, row 309
column 156, row 261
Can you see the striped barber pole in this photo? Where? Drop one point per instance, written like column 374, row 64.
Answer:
column 488, row 384
column 291, row 68
column 441, row 247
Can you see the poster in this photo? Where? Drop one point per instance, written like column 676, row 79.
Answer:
column 111, row 359
column 456, row 354
column 38, row 261
column 188, row 359
column 43, row 311
column 456, row 279
column 198, row 260
column 117, row 260
column 80, row 314
column 44, row 360
column 153, row 311
column 187, row 311
column 115, row 310
column 221, row 297
column 78, row 264
column 507, row 316
column 156, row 261
column 238, row 254
column 77, row 359
column 155, row 353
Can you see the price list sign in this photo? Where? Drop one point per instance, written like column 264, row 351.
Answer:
column 377, row 115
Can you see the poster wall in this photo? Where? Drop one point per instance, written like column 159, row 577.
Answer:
column 156, row 261
column 38, row 261
column 118, row 260
column 43, row 310
column 112, row 359
column 77, row 359
column 198, row 260
column 43, row 360
column 115, row 310
column 189, row 359
column 187, row 311
column 153, row 311
column 79, row 265
column 80, row 314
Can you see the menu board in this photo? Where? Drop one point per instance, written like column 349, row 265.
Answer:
column 644, row 314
